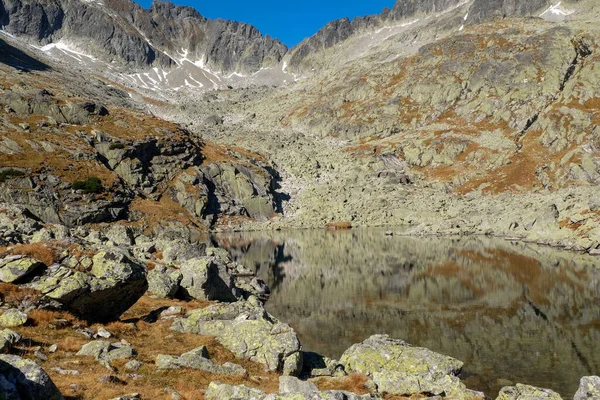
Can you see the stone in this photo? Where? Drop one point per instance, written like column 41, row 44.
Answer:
column 8, row 338
column 163, row 282
column 221, row 391
column 53, row 348
column 197, row 359
column 30, row 380
column 120, row 235
column 111, row 380
column 133, row 365
column 291, row 384
column 399, row 368
column 110, row 287
column 526, row 392
column 103, row 333
column 12, row 318
column 208, row 279
column 131, row 396
column 106, row 351
column 14, row 268
column 249, row 332
column 589, row 388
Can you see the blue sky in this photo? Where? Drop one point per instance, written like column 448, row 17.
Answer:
column 288, row 21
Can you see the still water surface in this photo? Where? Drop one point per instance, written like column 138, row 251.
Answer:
column 512, row 312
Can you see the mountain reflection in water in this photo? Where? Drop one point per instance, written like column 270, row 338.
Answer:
column 512, row 312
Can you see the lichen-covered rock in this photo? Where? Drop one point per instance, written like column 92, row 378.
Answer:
column 106, row 351
column 8, row 338
column 589, row 388
column 208, row 279
column 29, row 379
column 163, row 282
column 249, row 332
column 109, row 287
column 13, row 318
column 290, row 384
column 13, row 268
column 221, row 391
column 399, row 368
column 197, row 359
column 527, row 392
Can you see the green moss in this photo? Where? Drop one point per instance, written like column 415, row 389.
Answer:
column 90, row 185
column 9, row 173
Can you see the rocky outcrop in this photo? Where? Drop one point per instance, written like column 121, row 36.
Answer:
column 120, row 30
column 249, row 332
column 398, row 368
column 24, row 379
column 97, row 288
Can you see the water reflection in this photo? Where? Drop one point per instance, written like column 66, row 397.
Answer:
column 512, row 312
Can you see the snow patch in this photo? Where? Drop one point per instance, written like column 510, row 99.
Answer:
column 556, row 10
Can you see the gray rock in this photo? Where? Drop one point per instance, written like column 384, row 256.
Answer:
column 14, row 268
column 133, row 365
column 249, row 332
column 112, row 285
column 30, row 380
column 105, row 351
column 398, row 368
column 197, row 359
column 220, row 391
column 8, row 338
column 290, row 384
column 526, row 392
column 12, row 318
column 163, row 282
column 207, row 279
column 589, row 388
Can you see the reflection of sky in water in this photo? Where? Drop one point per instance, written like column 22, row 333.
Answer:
column 512, row 312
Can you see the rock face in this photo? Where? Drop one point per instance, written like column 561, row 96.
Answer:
column 24, row 379
column 123, row 31
column 398, row 368
column 13, row 268
column 249, row 332
column 107, row 286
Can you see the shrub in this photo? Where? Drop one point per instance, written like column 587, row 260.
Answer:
column 90, row 185
column 9, row 173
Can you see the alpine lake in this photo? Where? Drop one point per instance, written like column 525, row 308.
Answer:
column 513, row 312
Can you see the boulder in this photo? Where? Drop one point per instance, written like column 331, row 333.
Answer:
column 14, row 268
column 221, row 391
column 27, row 379
column 109, row 287
column 589, row 388
column 245, row 328
column 106, row 351
column 8, row 338
column 526, row 392
column 13, row 318
column 290, row 384
column 197, row 359
column 207, row 278
column 163, row 282
column 399, row 368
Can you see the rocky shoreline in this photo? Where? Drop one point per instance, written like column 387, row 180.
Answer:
column 96, row 275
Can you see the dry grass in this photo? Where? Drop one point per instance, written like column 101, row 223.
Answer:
column 14, row 295
column 46, row 252
column 332, row 226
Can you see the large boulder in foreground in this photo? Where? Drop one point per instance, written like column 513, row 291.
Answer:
column 245, row 328
column 589, row 388
column 527, row 392
column 98, row 288
column 22, row 379
column 401, row 369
